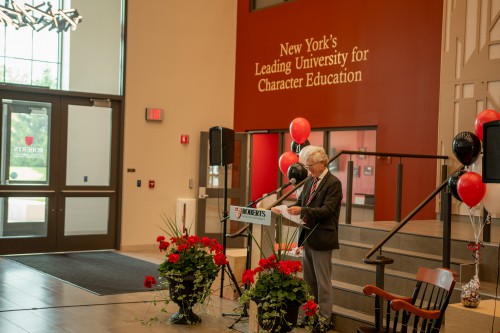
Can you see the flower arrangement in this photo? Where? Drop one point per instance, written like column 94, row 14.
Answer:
column 278, row 290
column 191, row 265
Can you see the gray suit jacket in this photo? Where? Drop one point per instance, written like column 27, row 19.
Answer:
column 321, row 216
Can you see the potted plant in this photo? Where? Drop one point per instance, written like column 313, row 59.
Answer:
column 188, row 272
column 278, row 290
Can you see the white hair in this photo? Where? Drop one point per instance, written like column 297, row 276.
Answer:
column 315, row 153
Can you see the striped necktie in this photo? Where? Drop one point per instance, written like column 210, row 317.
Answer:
column 313, row 190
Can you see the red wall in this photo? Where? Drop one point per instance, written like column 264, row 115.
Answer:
column 398, row 93
column 265, row 153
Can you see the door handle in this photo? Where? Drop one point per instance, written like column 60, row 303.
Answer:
column 202, row 194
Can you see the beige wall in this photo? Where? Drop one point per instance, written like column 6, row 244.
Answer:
column 180, row 57
column 470, row 73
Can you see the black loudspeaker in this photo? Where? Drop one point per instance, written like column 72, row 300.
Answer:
column 491, row 152
column 221, row 145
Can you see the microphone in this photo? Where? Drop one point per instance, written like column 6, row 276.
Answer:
column 291, row 182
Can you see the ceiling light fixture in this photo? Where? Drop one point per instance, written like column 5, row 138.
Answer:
column 39, row 17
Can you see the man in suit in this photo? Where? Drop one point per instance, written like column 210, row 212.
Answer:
column 319, row 207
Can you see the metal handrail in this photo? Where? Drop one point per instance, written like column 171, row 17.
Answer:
column 401, row 224
column 353, row 152
column 242, row 230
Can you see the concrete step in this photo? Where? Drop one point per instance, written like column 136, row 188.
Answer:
column 348, row 320
column 427, row 245
column 405, row 260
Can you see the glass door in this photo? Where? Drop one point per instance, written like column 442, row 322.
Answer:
column 88, row 177
column 27, row 190
column 58, row 173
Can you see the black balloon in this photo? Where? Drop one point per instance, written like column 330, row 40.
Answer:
column 466, row 146
column 297, row 171
column 296, row 148
column 452, row 183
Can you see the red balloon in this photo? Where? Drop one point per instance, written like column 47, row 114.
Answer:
column 300, row 130
column 485, row 117
column 286, row 159
column 471, row 189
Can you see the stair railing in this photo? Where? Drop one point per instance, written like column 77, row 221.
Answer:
column 350, row 175
column 349, row 185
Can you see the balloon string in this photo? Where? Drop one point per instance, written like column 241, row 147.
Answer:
column 476, row 245
column 475, row 248
column 478, row 226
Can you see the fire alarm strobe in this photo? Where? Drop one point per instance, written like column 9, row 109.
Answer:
column 154, row 114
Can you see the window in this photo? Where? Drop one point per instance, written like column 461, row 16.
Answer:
column 30, row 57
column 67, row 60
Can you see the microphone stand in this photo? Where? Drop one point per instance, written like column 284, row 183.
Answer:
column 248, row 229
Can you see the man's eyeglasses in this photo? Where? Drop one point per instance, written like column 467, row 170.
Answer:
column 310, row 166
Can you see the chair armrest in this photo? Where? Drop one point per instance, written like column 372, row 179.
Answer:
column 399, row 304
column 371, row 289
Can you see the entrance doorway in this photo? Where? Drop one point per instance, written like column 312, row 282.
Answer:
column 58, row 173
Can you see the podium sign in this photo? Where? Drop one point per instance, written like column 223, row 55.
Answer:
column 250, row 215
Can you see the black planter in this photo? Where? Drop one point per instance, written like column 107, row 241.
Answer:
column 188, row 294
column 281, row 324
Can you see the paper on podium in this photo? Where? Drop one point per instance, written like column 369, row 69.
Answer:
column 289, row 220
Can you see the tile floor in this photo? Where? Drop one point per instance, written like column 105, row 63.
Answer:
column 37, row 303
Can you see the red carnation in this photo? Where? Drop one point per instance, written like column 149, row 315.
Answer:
column 160, row 238
column 149, row 281
column 310, row 308
column 248, row 276
column 173, row 258
column 269, row 262
column 216, row 247
column 192, row 240
column 205, row 241
column 163, row 246
column 290, row 266
column 220, row 259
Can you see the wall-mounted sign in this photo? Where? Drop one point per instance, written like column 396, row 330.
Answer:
column 154, row 114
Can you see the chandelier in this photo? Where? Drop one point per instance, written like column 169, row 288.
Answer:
column 39, row 17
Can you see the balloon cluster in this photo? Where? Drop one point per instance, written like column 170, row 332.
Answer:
column 467, row 185
column 289, row 161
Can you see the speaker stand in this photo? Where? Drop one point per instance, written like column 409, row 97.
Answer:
column 227, row 267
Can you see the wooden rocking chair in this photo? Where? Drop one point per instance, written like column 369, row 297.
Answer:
column 422, row 312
